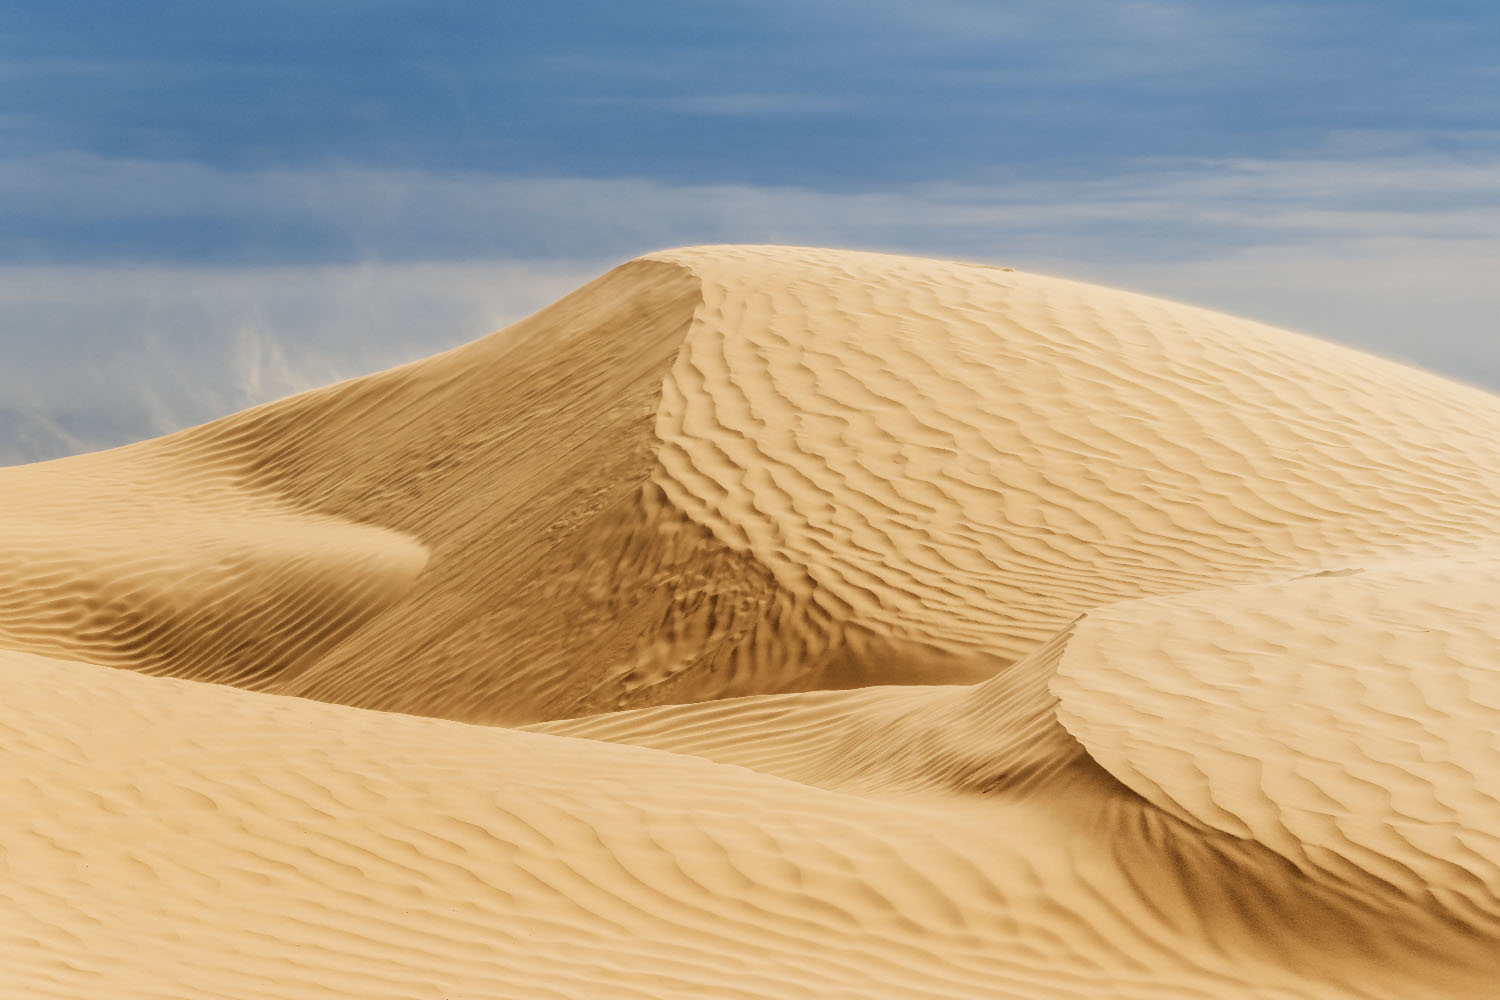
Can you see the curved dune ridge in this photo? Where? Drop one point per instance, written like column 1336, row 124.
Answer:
column 877, row 626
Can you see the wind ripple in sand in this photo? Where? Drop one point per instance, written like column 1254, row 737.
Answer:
column 166, row 566
column 199, row 841
column 973, row 456
column 1261, row 764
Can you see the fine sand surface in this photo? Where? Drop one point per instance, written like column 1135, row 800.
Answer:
column 772, row 622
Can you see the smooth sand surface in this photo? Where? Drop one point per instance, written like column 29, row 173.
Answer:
column 877, row 626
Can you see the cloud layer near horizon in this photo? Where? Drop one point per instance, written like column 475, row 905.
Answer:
column 173, row 178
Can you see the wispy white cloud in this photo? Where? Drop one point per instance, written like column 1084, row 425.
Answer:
column 415, row 215
column 1378, row 246
column 98, row 356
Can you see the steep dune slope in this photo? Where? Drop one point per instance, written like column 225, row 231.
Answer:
column 732, row 471
column 1186, row 626
column 489, row 461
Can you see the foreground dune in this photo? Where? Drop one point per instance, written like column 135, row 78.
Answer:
column 881, row 626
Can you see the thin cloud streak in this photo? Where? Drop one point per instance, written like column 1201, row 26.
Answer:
column 1393, row 252
column 80, row 209
column 98, row 357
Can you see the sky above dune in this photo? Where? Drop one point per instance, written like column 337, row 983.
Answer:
column 280, row 193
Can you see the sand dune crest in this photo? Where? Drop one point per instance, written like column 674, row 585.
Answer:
column 880, row 627
column 1346, row 721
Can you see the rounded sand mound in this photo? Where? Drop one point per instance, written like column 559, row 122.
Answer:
column 882, row 626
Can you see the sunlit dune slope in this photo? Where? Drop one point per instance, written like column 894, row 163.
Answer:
column 145, row 560
column 882, row 627
column 730, row 471
column 171, row 839
column 1350, row 721
column 1344, row 722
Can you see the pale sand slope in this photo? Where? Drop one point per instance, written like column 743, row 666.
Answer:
column 730, row 471
column 1327, row 733
column 172, row 839
column 741, row 471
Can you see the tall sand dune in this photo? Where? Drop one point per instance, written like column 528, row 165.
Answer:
column 878, row 627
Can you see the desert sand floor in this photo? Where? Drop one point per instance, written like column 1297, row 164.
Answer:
column 770, row 622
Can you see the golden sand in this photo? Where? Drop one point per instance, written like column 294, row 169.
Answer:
column 877, row 626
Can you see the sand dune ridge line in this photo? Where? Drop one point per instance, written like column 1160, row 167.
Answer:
column 880, row 626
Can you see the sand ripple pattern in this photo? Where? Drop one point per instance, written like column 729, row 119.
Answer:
column 972, row 456
column 167, row 564
column 202, row 842
column 1190, row 625
column 1348, row 721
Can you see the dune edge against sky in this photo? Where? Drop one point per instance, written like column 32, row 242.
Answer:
column 778, row 476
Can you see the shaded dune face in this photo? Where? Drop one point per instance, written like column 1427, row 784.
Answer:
column 879, row 626
column 997, row 754
column 480, row 463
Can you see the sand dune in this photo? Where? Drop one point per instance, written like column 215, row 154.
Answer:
column 880, row 627
column 1348, row 722
column 197, row 841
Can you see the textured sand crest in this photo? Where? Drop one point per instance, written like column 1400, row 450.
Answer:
column 974, row 456
column 1348, row 721
column 881, row 627
column 738, row 470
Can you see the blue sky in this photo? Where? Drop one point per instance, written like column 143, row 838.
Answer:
column 195, row 175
